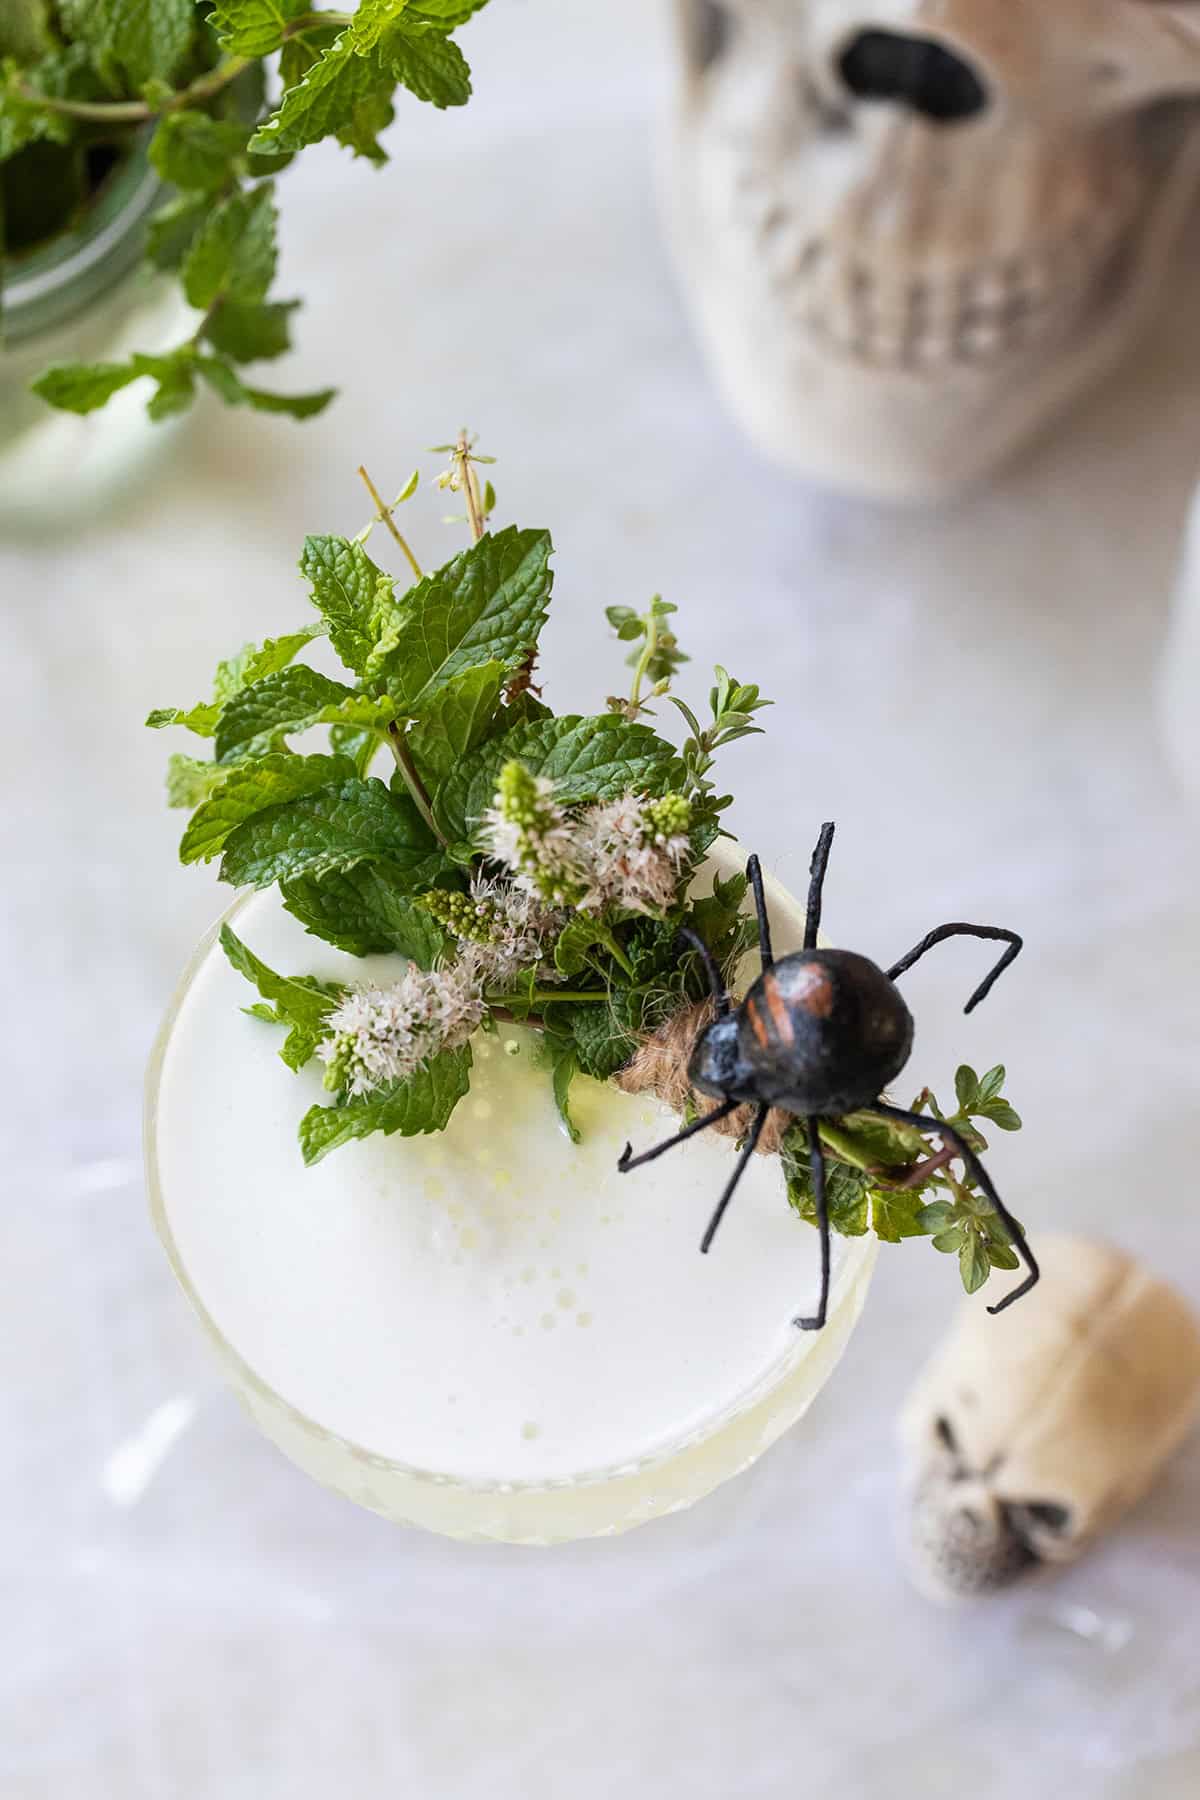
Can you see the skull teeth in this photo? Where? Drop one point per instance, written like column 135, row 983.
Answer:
column 984, row 314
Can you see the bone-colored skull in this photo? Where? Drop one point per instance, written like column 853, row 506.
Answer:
column 914, row 230
column 1031, row 1432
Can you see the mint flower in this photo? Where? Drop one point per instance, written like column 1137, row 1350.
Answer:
column 635, row 851
column 504, row 929
column 527, row 829
column 381, row 1035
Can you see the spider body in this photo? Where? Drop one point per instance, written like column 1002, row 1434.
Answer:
column 822, row 1033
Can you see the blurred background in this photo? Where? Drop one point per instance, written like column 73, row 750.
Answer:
column 968, row 692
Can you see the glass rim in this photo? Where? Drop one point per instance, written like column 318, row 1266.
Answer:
column 70, row 271
column 751, row 1422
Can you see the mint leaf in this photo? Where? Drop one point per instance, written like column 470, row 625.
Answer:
column 576, row 939
column 896, row 1213
column 175, row 377
column 565, row 1069
column 299, row 999
column 367, row 911
column 139, row 40
column 190, row 780
column 372, row 20
column 25, row 30
column 291, row 700
column 83, row 387
column 423, row 1103
column 248, row 789
column 602, row 1046
column 233, row 256
column 487, row 605
column 298, row 1002
column 251, row 333
column 446, row 15
column 456, row 720
column 324, row 100
column 190, row 150
column 293, row 406
column 357, row 821
column 845, row 1188
column 254, row 27
column 431, row 67
column 253, row 662
column 172, row 231
column 352, row 594
column 595, row 758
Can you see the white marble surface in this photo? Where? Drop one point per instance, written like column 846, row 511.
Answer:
column 968, row 694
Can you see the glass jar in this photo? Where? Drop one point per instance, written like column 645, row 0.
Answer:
column 83, row 296
column 311, row 1284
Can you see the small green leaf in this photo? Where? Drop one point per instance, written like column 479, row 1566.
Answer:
column 565, row 1069
column 292, row 700
column 250, row 788
column 330, row 96
column 990, row 1086
column 251, row 333
column 577, row 938
column 895, row 1214
column 83, row 387
column 368, row 911
column 485, row 606
column 455, row 720
column 139, row 41
column 422, row 1104
column 951, row 1240
column 1002, row 1114
column 254, row 27
column 173, row 229
column 233, row 256
column 354, row 597
column 190, row 781
column 936, row 1217
column 300, row 1002
column 973, row 1263
column 429, row 66
column 966, row 1087
column 190, row 150
column 358, row 821
column 253, row 662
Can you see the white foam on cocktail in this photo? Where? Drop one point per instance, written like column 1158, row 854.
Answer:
column 492, row 1303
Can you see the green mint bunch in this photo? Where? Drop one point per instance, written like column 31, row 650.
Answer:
column 86, row 83
column 378, row 804
column 527, row 866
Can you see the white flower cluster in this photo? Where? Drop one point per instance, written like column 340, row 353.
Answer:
column 627, row 852
column 380, row 1035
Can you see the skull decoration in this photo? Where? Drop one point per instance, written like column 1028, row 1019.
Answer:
column 914, row 230
column 1031, row 1432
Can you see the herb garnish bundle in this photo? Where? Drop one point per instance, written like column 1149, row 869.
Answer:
column 531, row 867
column 86, row 83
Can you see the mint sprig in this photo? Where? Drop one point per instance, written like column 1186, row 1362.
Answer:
column 88, row 72
column 527, row 866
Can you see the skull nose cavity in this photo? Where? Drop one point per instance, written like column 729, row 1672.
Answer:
column 927, row 77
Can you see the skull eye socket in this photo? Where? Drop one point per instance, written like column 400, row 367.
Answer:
column 1043, row 1515
column 923, row 74
column 944, row 1433
column 707, row 30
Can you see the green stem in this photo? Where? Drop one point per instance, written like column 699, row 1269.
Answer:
column 136, row 112
column 413, row 782
column 546, row 997
column 643, row 663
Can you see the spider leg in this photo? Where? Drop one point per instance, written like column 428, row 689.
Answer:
column 997, row 932
column 717, row 987
column 754, row 877
column 743, row 1163
column 816, row 886
column 816, row 1156
column 629, row 1161
column 954, row 1140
